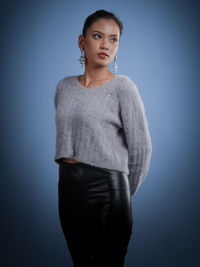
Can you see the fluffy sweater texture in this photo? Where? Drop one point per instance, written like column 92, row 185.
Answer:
column 103, row 126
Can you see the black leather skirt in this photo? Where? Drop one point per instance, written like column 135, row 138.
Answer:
column 95, row 211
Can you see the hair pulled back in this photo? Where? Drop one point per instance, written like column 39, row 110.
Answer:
column 98, row 15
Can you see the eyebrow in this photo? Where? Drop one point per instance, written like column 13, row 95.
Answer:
column 110, row 34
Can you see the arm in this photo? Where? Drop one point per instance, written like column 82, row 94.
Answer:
column 136, row 132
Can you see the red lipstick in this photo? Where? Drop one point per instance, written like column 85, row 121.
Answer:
column 103, row 55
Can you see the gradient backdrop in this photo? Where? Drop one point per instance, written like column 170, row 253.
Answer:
column 159, row 51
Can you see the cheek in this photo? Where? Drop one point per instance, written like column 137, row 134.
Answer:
column 115, row 49
column 91, row 44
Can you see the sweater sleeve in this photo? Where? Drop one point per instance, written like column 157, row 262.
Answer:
column 136, row 134
column 58, row 85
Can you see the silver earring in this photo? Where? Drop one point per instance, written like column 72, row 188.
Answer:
column 115, row 66
column 82, row 57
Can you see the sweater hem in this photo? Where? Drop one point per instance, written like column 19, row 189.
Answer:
column 59, row 159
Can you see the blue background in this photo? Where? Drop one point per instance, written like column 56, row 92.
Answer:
column 159, row 51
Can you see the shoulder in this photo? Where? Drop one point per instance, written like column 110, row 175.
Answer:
column 126, row 86
column 128, row 93
column 125, row 78
column 65, row 81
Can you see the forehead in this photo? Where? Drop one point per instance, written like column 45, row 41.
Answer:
column 107, row 26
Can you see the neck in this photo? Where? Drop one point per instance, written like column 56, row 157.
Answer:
column 97, row 74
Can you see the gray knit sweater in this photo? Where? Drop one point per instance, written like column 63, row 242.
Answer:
column 103, row 126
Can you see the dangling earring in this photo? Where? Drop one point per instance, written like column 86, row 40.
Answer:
column 115, row 66
column 82, row 57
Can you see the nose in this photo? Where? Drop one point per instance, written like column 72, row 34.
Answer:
column 104, row 44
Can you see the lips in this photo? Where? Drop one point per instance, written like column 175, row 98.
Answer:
column 103, row 54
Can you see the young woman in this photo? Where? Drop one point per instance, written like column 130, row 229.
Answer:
column 103, row 149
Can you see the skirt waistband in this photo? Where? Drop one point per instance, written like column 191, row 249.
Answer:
column 88, row 166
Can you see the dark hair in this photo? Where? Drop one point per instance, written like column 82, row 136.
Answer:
column 98, row 15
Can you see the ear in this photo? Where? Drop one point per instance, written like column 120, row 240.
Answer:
column 81, row 41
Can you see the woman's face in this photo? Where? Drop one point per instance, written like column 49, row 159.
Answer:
column 102, row 36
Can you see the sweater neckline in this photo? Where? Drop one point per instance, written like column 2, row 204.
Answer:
column 94, row 88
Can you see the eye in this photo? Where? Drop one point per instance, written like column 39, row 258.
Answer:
column 114, row 39
column 96, row 35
